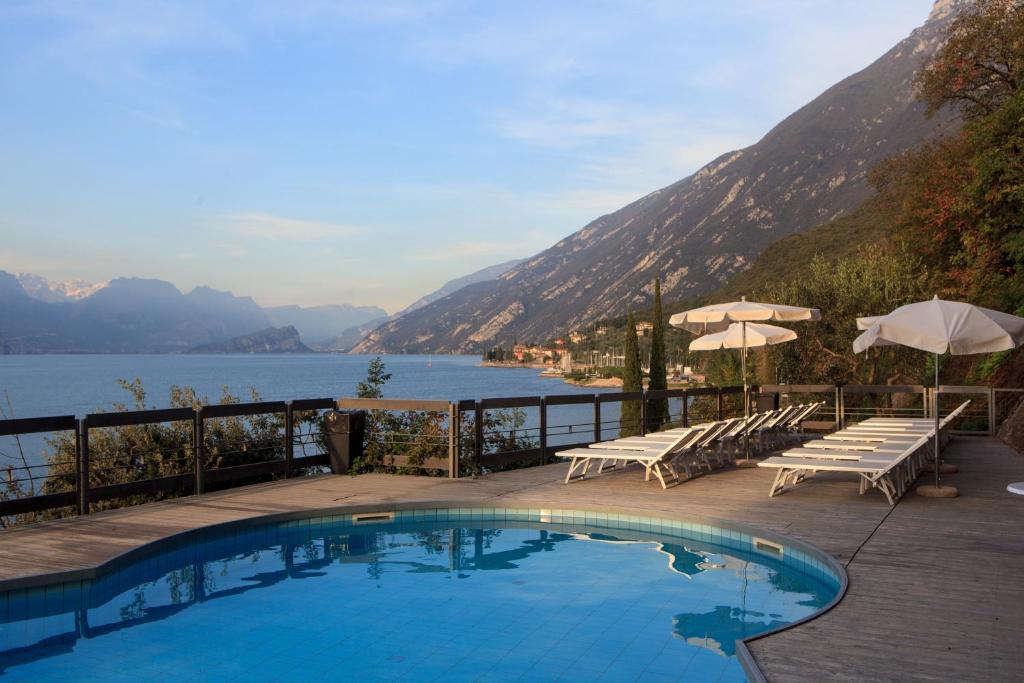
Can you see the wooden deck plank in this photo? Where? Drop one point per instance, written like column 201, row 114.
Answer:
column 936, row 586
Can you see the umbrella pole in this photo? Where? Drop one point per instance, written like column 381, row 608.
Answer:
column 936, row 409
column 746, row 397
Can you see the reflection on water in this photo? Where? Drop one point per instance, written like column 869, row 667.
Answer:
column 529, row 587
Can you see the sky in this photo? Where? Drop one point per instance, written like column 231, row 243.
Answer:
column 316, row 152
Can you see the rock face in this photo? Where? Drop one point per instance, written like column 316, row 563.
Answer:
column 271, row 340
column 452, row 286
column 697, row 233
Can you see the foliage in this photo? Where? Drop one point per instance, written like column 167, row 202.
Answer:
column 423, row 435
column 981, row 63
column 418, row 435
column 132, row 453
column 879, row 278
column 376, row 377
column 503, row 431
column 657, row 409
column 632, row 380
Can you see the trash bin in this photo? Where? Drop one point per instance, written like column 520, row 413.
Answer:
column 764, row 402
column 345, row 431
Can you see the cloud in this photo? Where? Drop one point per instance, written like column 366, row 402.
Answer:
column 269, row 226
column 460, row 250
column 161, row 120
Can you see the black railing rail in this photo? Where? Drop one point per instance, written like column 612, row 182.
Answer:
column 85, row 493
column 473, row 444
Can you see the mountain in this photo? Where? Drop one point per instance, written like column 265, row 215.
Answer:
column 699, row 232
column 142, row 315
column 319, row 323
column 349, row 338
column 54, row 291
column 452, row 286
column 271, row 340
column 128, row 315
column 369, row 337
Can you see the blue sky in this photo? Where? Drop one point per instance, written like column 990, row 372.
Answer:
column 364, row 152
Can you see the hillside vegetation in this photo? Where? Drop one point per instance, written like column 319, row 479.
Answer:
column 947, row 219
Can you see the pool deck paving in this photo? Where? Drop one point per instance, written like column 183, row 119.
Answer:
column 936, row 586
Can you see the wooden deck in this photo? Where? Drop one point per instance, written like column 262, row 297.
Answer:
column 936, row 586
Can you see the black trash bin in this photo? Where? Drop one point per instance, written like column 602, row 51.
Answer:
column 764, row 402
column 345, row 431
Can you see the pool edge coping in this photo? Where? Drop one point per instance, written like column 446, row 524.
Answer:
column 745, row 657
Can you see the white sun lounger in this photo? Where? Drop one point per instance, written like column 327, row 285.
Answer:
column 656, row 459
column 891, row 474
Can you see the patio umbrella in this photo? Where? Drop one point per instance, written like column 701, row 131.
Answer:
column 743, row 336
column 939, row 326
column 717, row 317
column 756, row 334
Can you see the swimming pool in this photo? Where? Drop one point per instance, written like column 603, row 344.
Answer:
column 429, row 594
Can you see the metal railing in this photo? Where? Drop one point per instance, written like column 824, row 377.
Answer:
column 183, row 468
column 460, row 438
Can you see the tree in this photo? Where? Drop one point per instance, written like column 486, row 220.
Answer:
column 876, row 280
column 632, row 380
column 376, row 377
column 981, row 63
column 657, row 409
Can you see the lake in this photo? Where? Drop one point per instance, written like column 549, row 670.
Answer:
column 79, row 384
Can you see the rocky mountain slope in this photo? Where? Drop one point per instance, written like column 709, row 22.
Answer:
column 271, row 340
column 452, row 286
column 699, row 232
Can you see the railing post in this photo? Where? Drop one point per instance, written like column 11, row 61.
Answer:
column 543, row 405
column 686, row 407
column 289, row 439
column 597, row 417
column 720, row 413
column 478, row 434
column 991, row 411
column 839, row 407
column 199, row 449
column 643, row 413
column 453, row 440
column 83, row 466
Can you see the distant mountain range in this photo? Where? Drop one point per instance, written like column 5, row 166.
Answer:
column 137, row 315
column 701, row 231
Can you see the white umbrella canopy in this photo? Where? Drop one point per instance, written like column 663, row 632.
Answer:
column 757, row 334
column 941, row 326
column 716, row 317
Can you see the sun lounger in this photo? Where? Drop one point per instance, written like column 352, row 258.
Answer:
column 892, row 474
column 656, row 458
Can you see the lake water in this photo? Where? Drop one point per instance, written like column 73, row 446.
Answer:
column 79, row 384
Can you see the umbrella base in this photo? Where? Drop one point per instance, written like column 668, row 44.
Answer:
column 929, row 491
column 944, row 468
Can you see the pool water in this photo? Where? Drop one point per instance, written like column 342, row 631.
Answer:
column 427, row 596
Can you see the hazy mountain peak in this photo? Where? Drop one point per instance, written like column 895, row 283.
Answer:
column 55, row 291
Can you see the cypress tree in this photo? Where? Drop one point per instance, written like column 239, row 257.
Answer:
column 632, row 380
column 657, row 409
